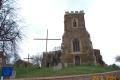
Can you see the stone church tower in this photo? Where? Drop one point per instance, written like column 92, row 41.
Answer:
column 76, row 45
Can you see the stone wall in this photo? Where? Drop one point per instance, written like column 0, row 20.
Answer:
column 51, row 58
column 98, row 57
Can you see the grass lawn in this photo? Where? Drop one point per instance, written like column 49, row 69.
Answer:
column 73, row 70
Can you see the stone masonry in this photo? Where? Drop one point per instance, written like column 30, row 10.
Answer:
column 76, row 48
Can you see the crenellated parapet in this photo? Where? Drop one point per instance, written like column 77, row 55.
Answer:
column 74, row 12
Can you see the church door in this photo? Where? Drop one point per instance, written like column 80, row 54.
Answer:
column 77, row 60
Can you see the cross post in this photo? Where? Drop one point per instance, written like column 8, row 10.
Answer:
column 28, row 58
column 46, row 39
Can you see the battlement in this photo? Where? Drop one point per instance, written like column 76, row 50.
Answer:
column 74, row 12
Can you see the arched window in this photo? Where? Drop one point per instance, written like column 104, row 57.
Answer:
column 75, row 22
column 76, row 45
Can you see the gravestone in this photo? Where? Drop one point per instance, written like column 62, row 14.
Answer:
column 58, row 67
column 13, row 74
column 65, row 65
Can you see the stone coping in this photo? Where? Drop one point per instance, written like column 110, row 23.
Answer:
column 62, row 77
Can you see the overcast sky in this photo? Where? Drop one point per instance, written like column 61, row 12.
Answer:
column 102, row 19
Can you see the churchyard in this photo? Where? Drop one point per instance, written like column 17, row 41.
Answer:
column 28, row 72
column 78, row 58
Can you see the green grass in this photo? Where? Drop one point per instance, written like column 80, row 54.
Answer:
column 73, row 70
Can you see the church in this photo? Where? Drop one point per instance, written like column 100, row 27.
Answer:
column 76, row 47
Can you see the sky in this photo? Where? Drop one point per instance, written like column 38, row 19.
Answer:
column 101, row 20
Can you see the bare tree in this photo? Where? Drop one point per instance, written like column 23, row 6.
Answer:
column 10, row 31
column 57, row 48
column 37, row 59
column 117, row 58
column 0, row 3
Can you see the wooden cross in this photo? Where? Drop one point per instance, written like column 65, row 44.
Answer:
column 28, row 58
column 46, row 40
